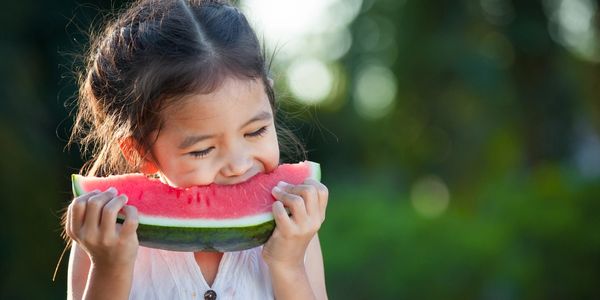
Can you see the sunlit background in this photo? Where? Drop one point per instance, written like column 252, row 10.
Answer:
column 459, row 139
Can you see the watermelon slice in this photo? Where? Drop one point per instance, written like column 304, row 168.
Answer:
column 208, row 218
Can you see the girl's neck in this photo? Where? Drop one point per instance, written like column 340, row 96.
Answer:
column 208, row 262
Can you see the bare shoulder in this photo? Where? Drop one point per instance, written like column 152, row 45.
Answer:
column 315, row 269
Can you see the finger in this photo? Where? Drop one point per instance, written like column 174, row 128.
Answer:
column 323, row 193
column 95, row 204
column 294, row 202
column 282, row 220
column 131, row 221
column 76, row 213
column 110, row 211
column 308, row 192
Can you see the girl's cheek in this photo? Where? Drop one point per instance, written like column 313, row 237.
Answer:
column 201, row 174
column 273, row 157
column 188, row 173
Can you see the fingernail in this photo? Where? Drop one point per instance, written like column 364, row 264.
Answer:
column 276, row 190
column 282, row 184
column 124, row 198
column 112, row 190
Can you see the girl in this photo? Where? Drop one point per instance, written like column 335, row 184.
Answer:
column 179, row 90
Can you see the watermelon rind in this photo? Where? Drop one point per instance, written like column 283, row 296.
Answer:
column 222, row 239
column 77, row 190
column 315, row 170
column 203, row 234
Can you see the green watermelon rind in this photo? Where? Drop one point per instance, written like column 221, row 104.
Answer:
column 315, row 170
column 185, row 238
column 202, row 238
column 77, row 190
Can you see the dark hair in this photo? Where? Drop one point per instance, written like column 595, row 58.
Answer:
column 152, row 54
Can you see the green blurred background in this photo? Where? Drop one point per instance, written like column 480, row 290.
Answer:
column 459, row 139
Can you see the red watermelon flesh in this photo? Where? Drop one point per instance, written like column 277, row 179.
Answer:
column 238, row 211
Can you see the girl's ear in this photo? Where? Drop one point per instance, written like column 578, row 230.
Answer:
column 131, row 150
column 271, row 82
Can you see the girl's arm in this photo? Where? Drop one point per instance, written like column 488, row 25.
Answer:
column 103, row 254
column 315, row 269
column 293, row 252
column 100, row 285
column 79, row 267
column 306, row 282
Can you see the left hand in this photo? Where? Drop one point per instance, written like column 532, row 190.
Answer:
column 307, row 203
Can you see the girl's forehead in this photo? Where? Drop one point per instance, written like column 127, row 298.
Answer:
column 232, row 101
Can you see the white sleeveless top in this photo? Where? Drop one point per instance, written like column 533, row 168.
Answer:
column 161, row 274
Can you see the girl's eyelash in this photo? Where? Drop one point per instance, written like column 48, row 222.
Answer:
column 259, row 132
column 202, row 153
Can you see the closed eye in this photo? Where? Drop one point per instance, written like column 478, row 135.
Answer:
column 259, row 132
column 201, row 153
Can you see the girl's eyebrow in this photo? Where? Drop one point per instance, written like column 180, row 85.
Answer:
column 263, row 115
column 191, row 140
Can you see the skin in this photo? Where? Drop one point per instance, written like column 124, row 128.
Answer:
column 224, row 137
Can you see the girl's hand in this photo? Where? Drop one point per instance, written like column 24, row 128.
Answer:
column 92, row 223
column 306, row 203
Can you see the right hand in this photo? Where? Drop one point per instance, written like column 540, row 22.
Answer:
column 92, row 223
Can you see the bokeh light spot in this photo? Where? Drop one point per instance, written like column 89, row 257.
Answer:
column 430, row 196
column 572, row 25
column 375, row 91
column 498, row 48
column 309, row 80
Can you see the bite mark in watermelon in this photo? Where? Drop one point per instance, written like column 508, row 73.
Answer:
column 202, row 218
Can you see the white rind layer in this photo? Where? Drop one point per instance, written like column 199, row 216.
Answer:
column 206, row 223
column 315, row 170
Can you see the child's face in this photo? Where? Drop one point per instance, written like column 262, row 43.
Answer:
column 224, row 137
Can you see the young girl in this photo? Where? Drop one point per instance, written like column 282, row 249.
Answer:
column 179, row 90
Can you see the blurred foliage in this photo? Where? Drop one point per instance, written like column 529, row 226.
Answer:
column 503, row 115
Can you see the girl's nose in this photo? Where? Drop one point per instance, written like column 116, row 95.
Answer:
column 237, row 165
